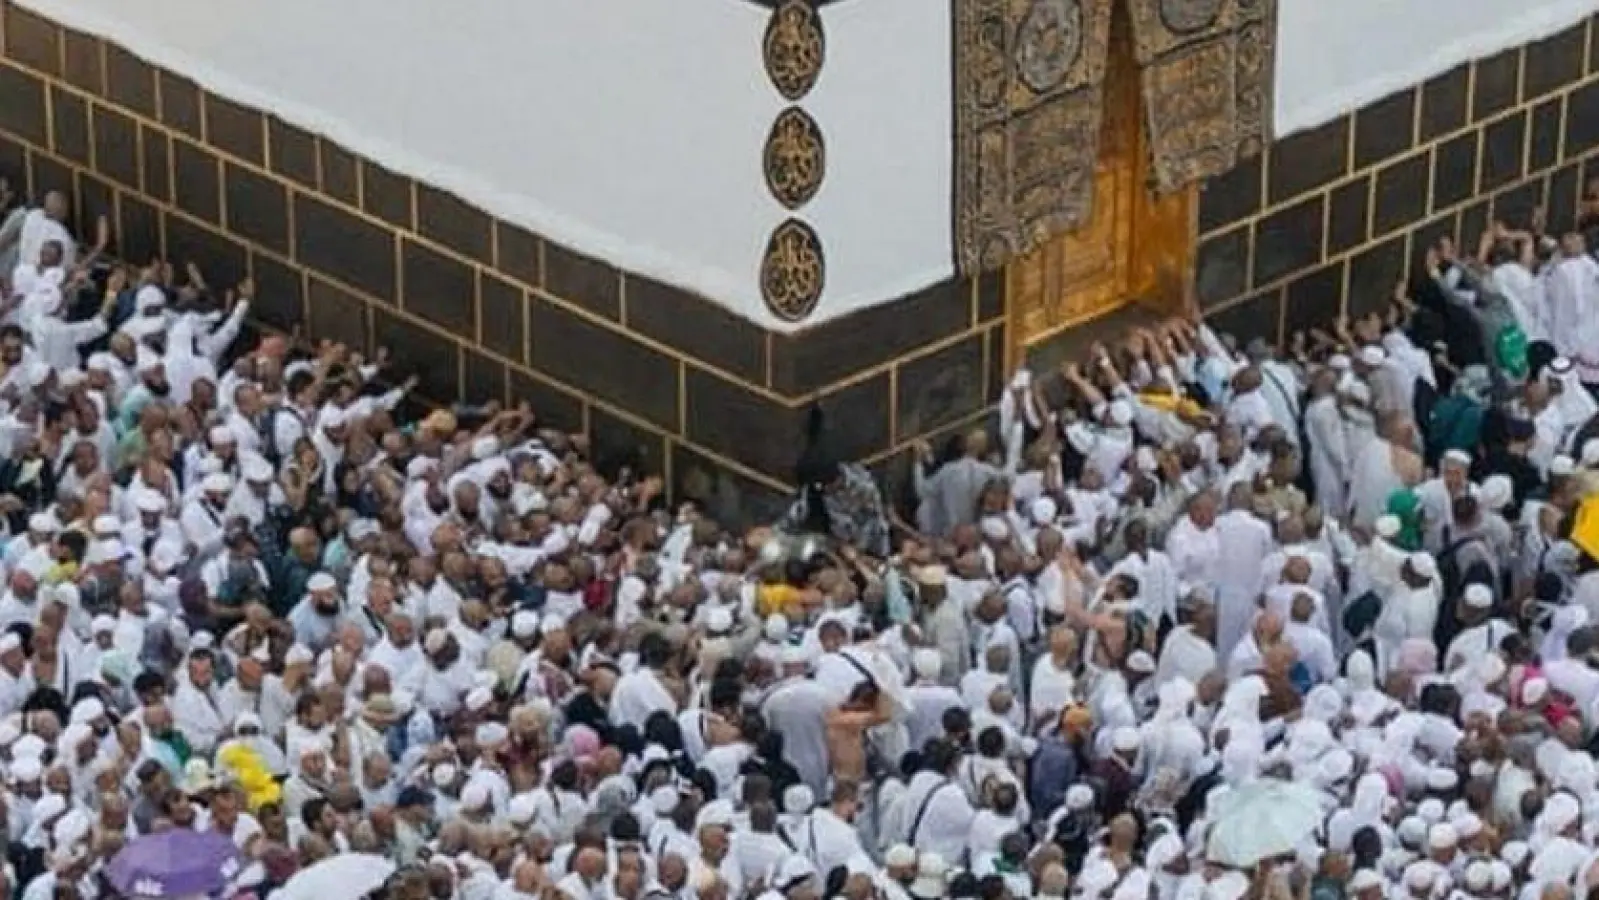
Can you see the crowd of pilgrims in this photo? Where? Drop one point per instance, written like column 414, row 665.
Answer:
column 461, row 641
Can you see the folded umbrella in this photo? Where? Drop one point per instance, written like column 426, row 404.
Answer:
column 1265, row 818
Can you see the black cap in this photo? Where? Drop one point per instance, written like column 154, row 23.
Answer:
column 1519, row 430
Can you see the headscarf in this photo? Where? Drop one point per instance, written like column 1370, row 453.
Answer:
column 1405, row 506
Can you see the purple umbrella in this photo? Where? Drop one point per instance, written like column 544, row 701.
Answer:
column 174, row 863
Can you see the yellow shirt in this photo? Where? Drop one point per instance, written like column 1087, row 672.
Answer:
column 777, row 598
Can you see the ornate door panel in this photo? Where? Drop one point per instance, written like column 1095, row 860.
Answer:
column 1134, row 246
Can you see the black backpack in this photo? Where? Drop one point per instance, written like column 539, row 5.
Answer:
column 269, row 434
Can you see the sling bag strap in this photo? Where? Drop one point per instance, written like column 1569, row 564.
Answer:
column 921, row 811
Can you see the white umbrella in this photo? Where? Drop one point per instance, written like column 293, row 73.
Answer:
column 1262, row 819
column 346, row 875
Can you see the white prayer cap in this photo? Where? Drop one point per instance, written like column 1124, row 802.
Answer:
column 331, row 417
column 931, row 576
column 1373, row 355
column 521, row 809
column 1442, row 836
column 72, row 378
column 313, row 746
column 298, row 655
column 1412, row 831
column 1496, row 492
column 1562, row 465
column 1364, row 880
column 103, row 551
column 1418, row 876
column 1560, row 365
column 148, row 299
column 107, row 526
column 899, row 856
column 1458, row 457
column 1481, row 768
column 1388, row 527
column 1338, row 362
column 435, row 640
column 444, row 773
column 256, row 469
column 1043, row 511
column 9, row 642
column 245, row 720
column 27, row 768
column 1479, row 876
column 1534, row 690
column 1431, row 810
column 1423, row 565
column 1124, row 739
column 552, row 621
column 102, row 625
column 716, row 814
column 474, row 796
column 1560, row 811
column 1501, row 875
column 478, row 699
column 1514, row 853
column 217, row 483
column 485, row 447
column 524, row 623
column 491, row 734
column 927, row 662
column 1479, row 595
column 87, row 710
column 1141, row 662
column 420, row 467
column 321, row 581
column 1336, row 766
column 776, row 627
column 994, row 528
column 798, row 799
column 664, row 799
column 718, row 620
column 1468, row 825
column 221, row 434
column 1121, row 412
column 44, row 523
column 1079, row 797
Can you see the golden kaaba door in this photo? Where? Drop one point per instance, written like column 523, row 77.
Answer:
column 1137, row 245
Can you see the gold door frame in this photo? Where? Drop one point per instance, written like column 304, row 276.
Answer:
column 1137, row 245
